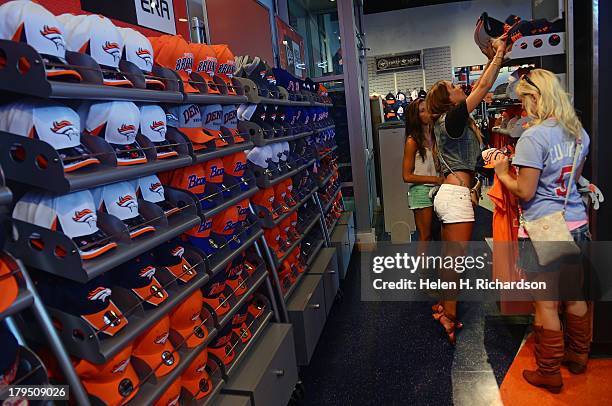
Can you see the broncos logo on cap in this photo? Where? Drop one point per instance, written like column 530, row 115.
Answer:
column 173, row 402
column 157, row 188
column 66, row 128
column 85, row 216
column 128, row 130
column 239, row 319
column 200, row 369
column 120, row 367
column 99, row 293
column 113, row 49
column 145, row 55
column 147, row 272
column 126, row 201
column 159, row 126
column 54, row 35
column 177, row 251
column 161, row 339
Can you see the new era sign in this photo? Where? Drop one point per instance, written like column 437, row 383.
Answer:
column 408, row 60
column 156, row 14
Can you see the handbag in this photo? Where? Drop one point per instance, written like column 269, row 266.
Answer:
column 549, row 234
column 475, row 191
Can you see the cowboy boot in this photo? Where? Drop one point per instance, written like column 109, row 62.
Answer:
column 548, row 354
column 579, row 334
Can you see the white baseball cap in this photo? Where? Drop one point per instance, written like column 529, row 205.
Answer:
column 119, row 122
column 51, row 122
column 29, row 22
column 153, row 126
column 139, row 51
column 119, row 200
column 73, row 214
column 152, row 190
column 96, row 36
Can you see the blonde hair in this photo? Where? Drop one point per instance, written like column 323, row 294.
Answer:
column 549, row 101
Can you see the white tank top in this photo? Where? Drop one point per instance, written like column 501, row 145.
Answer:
column 427, row 168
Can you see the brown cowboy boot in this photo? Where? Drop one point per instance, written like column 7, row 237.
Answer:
column 548, row 354
column 579, row 334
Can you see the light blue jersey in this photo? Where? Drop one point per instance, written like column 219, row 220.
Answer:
column 547, row 147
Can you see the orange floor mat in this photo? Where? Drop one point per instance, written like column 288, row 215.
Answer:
column 593, row 388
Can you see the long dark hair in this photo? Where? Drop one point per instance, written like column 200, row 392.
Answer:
column 438, row 103
column 414, row 127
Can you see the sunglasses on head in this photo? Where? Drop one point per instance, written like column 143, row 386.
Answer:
column 528, row 80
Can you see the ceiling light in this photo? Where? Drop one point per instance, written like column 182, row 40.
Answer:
column 183, row 20
column 153, row 3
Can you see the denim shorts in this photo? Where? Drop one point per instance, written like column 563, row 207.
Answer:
column 528, row 260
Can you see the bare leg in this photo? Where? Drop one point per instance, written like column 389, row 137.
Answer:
column 547, row 315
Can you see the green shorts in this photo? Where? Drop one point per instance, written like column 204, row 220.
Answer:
column 418, row 197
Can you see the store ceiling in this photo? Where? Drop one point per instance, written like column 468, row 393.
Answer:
column 377, row 6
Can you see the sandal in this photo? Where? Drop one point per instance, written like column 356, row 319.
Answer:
column 450, row 325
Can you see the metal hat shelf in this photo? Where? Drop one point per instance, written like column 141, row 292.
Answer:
column 268, row 222
column 311, row 259
column 54, row 252
column 24, row 74
column 30, row 371
column 265, row 182
column 258, row 134
column 251, row 91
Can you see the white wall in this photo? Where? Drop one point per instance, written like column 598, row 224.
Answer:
column 449, row 24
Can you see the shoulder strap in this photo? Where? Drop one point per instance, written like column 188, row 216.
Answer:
column 577, row 153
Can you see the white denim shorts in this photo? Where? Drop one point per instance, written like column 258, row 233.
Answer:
column 453, row 204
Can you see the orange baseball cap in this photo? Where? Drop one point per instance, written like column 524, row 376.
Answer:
column 264, row 198
column 226, row 66
column 186, row 321
column 170, row 256
column 195, row 379
column 114, row 382
column 138, row 275
column 156, row 350
column 191, row 178
column 243, row 209
column 8, row 283
column 173, row 52
column 273, row 239
column 239, row 324
column 171, row 395
column 205, row 64
column 223, row 346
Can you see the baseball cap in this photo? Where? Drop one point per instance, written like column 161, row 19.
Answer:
column 230, row 122
column 520, row 126
column 96, row 36
column 9, row 356
column 187, row 118
column 212, row 119
column 53, row 123
column 288, row 229
column 171, row 395
column 91, row 301
column 257, row 306
column 286, row 188
column 289, row 82
column 236, row 279
column 200, row 236
column 263, row 201
column 119, row 199
column 214, row 189
column 171, row 256
column 119, row 122
column 235, row 172
column 226, row 66
column 239, row 324
column 273, row 238
column 195, row 379
column 153, row 126
column 213, row 295
column 280, row 195
column 138, row 275
column 223, row 346
column 192, row 179
column 29, row 22
column 225, row 227
column 114, row 382
column 8, row 283
column 205, row 64
column 152, row 190
column 243, row 209
column 173, row 52
column 257, row 159
column 73, row 214
column 156, row 350
column 186, row 321
column 139, row 51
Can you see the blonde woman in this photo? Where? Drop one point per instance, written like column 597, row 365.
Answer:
column 544, row 157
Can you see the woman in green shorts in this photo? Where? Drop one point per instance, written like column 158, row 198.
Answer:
column 419, row 168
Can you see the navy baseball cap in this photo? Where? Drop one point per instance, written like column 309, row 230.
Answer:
column 138, row 275
column 170, row 255
column 201, row 237
column 91, row 301
column 226, row 227
column 223, row 346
